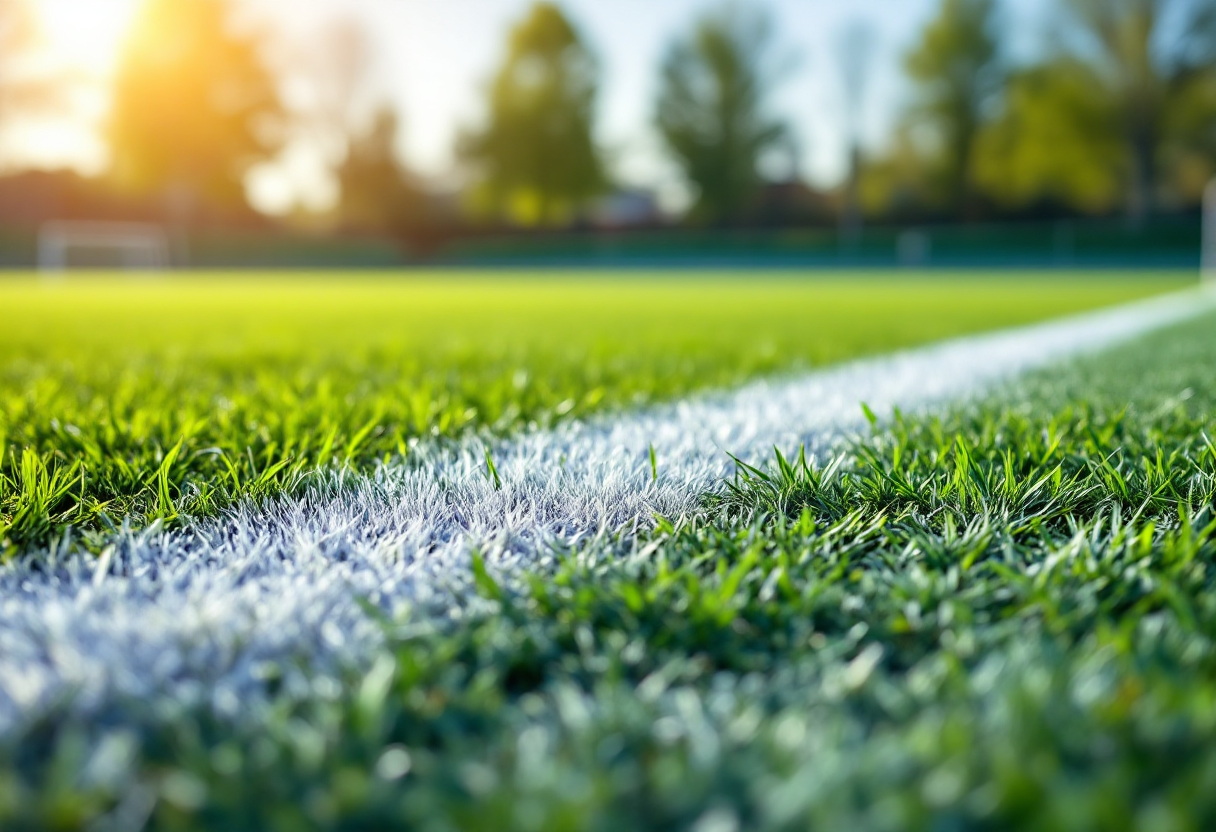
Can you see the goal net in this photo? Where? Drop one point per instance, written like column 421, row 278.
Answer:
column 99, row 245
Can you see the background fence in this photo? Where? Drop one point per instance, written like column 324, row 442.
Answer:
column 1109, row 243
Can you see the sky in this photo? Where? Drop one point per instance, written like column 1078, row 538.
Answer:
column 432, row 58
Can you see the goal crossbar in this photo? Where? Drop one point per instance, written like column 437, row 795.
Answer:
column 139, row 245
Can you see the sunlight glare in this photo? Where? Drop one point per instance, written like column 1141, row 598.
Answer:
column 86, row 34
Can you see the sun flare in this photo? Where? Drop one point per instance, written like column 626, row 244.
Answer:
column 86, row 34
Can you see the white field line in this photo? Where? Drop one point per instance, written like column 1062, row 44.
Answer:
column 202, row 615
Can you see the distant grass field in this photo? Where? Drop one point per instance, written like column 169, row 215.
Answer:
column 998, row 618
column 130, row 399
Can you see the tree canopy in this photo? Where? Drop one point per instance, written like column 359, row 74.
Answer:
column 1122, row 111
column 377, row 191
column 1154, row 62
column 957, row 69
column 194, row 103
column 1054, row 142
column 712, row 109
column 536, row 159
column 1110, row 106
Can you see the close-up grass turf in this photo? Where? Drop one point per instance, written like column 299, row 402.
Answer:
column 999, row 617
column 130, row 400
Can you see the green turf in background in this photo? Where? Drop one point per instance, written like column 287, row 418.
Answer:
column 144, row 398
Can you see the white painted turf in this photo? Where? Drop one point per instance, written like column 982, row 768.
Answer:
column 202, row 615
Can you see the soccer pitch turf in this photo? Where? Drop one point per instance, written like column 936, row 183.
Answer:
column 982, row 615
column 141, row 400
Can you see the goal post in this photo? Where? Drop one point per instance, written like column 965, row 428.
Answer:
column 127, row 245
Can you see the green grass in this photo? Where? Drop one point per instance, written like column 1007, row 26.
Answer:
column 1000, row 618
column 132, row 400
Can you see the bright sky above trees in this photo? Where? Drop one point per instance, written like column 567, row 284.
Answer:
column 432, row 61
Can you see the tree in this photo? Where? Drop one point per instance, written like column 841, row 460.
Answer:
column 856, row 47
column 712, row 108
column 957, row 69
column 377, row 191
column 1154, row 61
column 1122, row 110
column 194, row 104
column 536, row 158
column 1056, row 140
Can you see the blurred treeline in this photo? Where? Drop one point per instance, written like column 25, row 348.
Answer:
column 1111, row 114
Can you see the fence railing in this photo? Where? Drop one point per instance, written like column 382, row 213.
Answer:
column 1171, row 242
column 1167, row 243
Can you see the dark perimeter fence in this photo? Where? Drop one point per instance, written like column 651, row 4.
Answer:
column 1165, row 243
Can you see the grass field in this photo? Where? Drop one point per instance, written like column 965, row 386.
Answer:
column 131, row 401
column 996, row 617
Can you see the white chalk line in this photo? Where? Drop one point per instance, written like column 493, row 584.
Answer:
column 203, row 615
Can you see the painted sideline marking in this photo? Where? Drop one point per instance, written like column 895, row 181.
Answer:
column 200, row 615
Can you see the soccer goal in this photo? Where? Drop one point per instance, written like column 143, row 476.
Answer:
column 126, row 245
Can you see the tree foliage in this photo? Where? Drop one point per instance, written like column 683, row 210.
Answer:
column 957, row 69
column 712, row 109
column 1155, row 61
column 536, row 158
column 1123, row 111
column 377, row 191
column 194, row 103
column 855, row 56
column 1055, row 141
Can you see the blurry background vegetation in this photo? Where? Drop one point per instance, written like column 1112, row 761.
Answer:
column 1104, row 131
